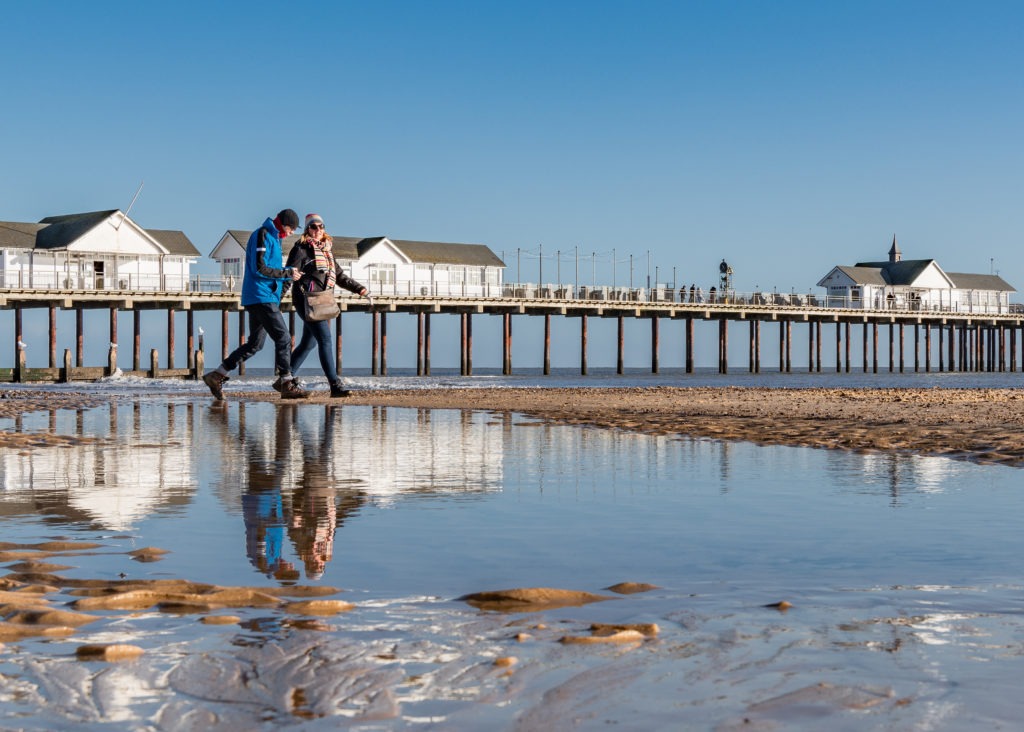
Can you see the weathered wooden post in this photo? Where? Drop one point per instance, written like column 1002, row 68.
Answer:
column 111, row 360
column 19, row 352
column 810, row 346
column 65, row 373
column 839, row 345
column 190, row 338
column 384, row 344
column 927, row 347
column 847, row 329
column 874, row 348
column 757, row 346
column 374, row 342
column 583, row 344
column 892, row 349
column 199, row 364
column 462, row 349
column 426, row 344
column 864, row 346
column 782, row 347
column 113, row 326
column 654, row 344
column 154, row 364
column 469, row 344
column 789, row 346
column 942, row 345
column 136, row 340
column 547, row 344
column 506, row 343
column 337, row 344
column 224, row 334
column 241, row 339
column 170, row 338
column 53, row 337
column 419, row 344
column 20, row 368
column 724, row 326
column 917, row 347
column 818, row 342
column 1013, row 349
column 79, row 342
column 620, row 361
column 689, row 344
column 902, row 340
column 750, row 348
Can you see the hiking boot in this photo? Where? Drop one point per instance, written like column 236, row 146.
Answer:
column 215, row 380
column 338, row 391
column 277, row 384
column 290, row 390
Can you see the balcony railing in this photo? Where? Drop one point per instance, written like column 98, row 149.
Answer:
column 57, row 281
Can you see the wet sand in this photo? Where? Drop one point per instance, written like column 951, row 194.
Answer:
column 981, row 425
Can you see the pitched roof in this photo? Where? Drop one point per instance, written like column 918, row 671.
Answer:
column 433, row 252
column 899, row 273
column 424, row 252
column 17, row 235
column 58, row 232
column 175, row 242
column 964, row 281
column 63, row 230
column 864, row 275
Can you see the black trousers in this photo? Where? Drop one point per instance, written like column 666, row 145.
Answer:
column 264, row 318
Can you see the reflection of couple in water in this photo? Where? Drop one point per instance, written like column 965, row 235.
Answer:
column 291, row 491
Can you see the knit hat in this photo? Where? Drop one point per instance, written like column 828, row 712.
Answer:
column 287, row 217
column 313, row 219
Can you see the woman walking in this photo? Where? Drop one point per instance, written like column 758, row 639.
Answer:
column 312, row 256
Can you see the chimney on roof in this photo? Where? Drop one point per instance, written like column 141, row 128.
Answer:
column 894, row 252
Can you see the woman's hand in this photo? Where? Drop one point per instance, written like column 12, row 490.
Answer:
column 296, row 274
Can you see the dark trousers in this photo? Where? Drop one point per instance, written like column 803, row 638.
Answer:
column 264, row 318
column 318, row 331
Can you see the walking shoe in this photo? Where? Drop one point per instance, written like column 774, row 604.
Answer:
column 289, row 390
column 338, row 391
column 277, row 384
column 215, row 380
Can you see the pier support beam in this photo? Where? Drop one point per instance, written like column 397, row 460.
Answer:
column 419, row 344
column 689, row 345
column 723, row 346
column 136, row 340
column 750, row 348
column 654, row 345
column 547, row 344
column 902, row 341
column 927, row 348
column 757, row 346
column 18, row 350
column 170, row 338
column 892, row 349
column 79, row 343
column 190, row 339
column 810, row 347
column 375, row 343
column 241, row 340
column 789, row 346
column 337, row 344
column 619, row 360
column 864, row 347
column 847, row 329
column 426, row 344
column 469, row 344
column 839, row 347
column 224, row 334
column 874, row 348
column 942, row 344
column 1013, row 349
column 817, row 328
column 52, row 360
column 583, row 345
column 917, row 348
column 383, row 344
column 782, row 346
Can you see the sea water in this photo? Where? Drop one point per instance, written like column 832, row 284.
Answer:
column 903, row 573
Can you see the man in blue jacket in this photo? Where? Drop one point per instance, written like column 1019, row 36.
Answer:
column 263, row 285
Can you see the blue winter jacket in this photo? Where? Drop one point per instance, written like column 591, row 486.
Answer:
column 264, row 276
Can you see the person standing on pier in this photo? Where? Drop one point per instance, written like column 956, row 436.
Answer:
column 263, row 285
column 313, row 258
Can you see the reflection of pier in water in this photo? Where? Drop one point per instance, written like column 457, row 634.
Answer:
column 116, row 476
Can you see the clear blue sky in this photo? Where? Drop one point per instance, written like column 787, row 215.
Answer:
column 786, row 137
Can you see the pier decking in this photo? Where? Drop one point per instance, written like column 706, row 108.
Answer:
column 967, row 341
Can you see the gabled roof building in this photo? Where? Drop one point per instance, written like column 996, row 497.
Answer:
column 100, row 250
column 389, row 266
column 914, row 284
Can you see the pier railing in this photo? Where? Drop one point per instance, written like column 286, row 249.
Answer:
column 979, row 303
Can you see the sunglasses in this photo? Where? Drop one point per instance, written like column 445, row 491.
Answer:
column 316, row 226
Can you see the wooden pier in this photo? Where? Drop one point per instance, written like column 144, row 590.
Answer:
column 966, row 341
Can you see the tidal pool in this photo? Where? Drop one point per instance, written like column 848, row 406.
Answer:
column 903, row 575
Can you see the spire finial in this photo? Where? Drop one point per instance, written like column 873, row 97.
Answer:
column 894, row 252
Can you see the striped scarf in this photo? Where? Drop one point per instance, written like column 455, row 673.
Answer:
column 324, row 260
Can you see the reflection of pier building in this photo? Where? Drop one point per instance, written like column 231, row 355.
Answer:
column 111, row 483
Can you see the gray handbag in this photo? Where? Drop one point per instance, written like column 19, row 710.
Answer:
column 321, row 306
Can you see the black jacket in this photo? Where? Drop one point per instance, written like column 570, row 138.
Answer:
column 303, row 259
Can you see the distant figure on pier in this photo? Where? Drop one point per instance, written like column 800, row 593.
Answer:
column 263, row 285
column 700, row 294
column 313, row 258
column 712, row 294
column 693, row 293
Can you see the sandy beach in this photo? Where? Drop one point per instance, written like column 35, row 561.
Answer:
column 982, row 425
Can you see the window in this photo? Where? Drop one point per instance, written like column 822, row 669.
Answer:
column 475, row 275
column 458, row 275
column 383, row 273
